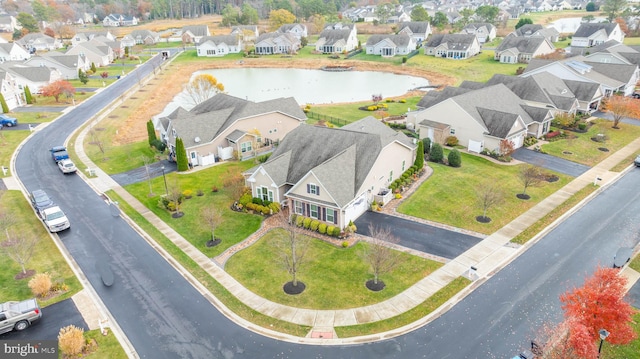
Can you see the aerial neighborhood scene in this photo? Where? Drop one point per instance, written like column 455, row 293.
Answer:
column 320, row 179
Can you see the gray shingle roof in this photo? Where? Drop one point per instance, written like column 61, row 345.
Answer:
column 453, row 41
column 527, row 45
column 498, row 123
column 435, row 97
column 401, row 40
column 588, row 29
column 620, row 72
column 583, row 91
column 70, row 61
column 416, row 27
column 220, row 39
column 528, row 29
column 196, row 30
column 477, row 25
column 332, row 36
column 36, row 74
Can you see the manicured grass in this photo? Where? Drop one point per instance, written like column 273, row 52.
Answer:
column 117, row 159
column 534, row 229
column 350, row 112
column 46, row 256
column 9, row 141
column 108, row 346
column 34, row 117
column 478, row 68
column 259, row 269
column 631, row 41
column 203, row 277
column 584, row 150
column 624, row 163
column 420, row 311
column 635, row 263
column 235, row 226
column 449, row 195
column 79, row 96
column 629, row 351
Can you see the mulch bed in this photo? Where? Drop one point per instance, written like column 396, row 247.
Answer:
column 213, row 243
column 291, row 289
column 603, row 149
column 375, row 287
column 523, row 196
column 552, row 178
column 483, row 219
column 177, row 214
column 23, row 275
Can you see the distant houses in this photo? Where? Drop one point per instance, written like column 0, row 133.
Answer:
column 519, row 49
column 390, row 45
column 220, row 45
column 592, row 34
column 337, row 38
column 452, row 46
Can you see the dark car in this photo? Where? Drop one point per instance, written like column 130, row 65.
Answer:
column 636, row 95
column 637, row 161
column 8, row 121
column 40, row 200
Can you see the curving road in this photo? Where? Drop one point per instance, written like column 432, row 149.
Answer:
column 165, row 317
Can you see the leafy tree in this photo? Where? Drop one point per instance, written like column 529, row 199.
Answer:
column 230, row 15
column 591, row 7
column 93, row 67
column 613, row 8
column 249, row 15
column 379, row 254
column 436, row 154
column 530, row 176
column 3, row 104
column 318, row 22
column 598, row 304
column 454, row 158
column 18, row 34
column 151, row 132
column 419, row 14
column 280, row 17
column 41, row 11
column 27, row 95
column 203, row 87
column 57, row 88
column 440, row 20
column 523, row 21
column 384, row 11
column 487, row 13
column 466, row 17
column 426, row 144
column 181, row 156
column 620, row 107
column 419, row 162
column 82, row 76
column 28, row 22
column 588, row 18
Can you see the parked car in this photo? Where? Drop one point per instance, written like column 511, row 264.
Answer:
column 18, row 315
column 8, row 121
column 637, row 161
column 636, row 95
column 55, row 219
column 59, row 153
column 67, row 166
column 40, row 200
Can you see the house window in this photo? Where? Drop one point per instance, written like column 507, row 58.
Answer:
column 452, row 131
column 331, row 215
column 390, row 176
column 403, row 165
column 264, row 194
column 313, row 189
column 298, row 207
column 245, row 147
column 313, row 211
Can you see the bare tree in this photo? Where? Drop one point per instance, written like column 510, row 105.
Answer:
column 530, row 176
column 212, row 216
column 292, row 248
column 489, row 194
column 147, row 161
column 19, row 247
column 175, row 196
column 6, row 220
column 98, row 141
column 379, row 254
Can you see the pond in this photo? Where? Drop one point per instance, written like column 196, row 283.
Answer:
column 306, row 86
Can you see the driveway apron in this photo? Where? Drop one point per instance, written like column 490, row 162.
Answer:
column 550, row 162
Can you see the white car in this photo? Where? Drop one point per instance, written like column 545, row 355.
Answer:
column 55, row 219
column 67, row 166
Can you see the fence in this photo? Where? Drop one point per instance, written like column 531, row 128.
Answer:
column 412, row 53
column 336, row 121
column 353, row 53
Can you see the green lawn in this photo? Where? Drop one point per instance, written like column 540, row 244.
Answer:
column 449, row 195
column 9, row 141
column 629, row 351
column 34, row 117
column 350, row 112
column 108, row 346
column 583, row 150
column 258, row 269
column 46, row 256
column 235, row 227
column 117, row 159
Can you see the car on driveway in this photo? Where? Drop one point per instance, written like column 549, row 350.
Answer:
column 8, row 120
column 40, row 200
column 18, row 315
column 67, row 166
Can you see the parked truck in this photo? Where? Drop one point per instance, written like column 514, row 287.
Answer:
column 18, row 315
column 59, row 153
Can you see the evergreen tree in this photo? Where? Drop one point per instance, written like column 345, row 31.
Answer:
column 426, row 144
column 5, row 108
column 152, row 132
column 181, row 156
column 455, row 160
column 27, row 95
column 93, row 68
column 523, row 21
column 419, row 163
column 82, row 76
column 437, row 153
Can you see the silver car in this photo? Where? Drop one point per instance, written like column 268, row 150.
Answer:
column 67, row 166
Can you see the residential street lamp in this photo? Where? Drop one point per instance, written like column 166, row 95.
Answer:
column 603, row 335
column 166, row 190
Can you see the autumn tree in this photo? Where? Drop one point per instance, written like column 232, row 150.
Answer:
column 598, row 304
column 57, row 88
column 203, row 87
column 234, row 184
column 212, row 216
column 529, row 176
column 291, row 251
column 623, row 25
column 280, row 17
column 489, row 194
column 507, row 147
column 49, row 32
column 379, row 255
column 620, row 107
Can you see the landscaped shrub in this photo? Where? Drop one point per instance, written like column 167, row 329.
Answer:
column 345, row 244
column 322, row 228
column 306, row 223
column 159, row 145
column 336, row 232
column 454, row 158
column 330, row 229
column 372, row 108
column 274, row 207
column 71, row 340
column 552, row 134
column 451, row 141
column 582, row 126
column 257, row 200
column 245, row 199
column 426, row 143
column 265, row 210
column 264, row 158
column 436, row 154
column 40, row 284
column 299, row 221
column 187, row 193
column 251, row 206
column 403, row 101
column 314, row 225
column 530, row 141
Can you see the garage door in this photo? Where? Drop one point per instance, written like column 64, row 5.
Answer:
column 358, row 207
column 475, row 146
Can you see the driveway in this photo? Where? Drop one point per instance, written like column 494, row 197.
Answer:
column 419, row 236
column 140, row 174
column 20, row 126
column 608, row 116
column 549, row 162
column 53, row 318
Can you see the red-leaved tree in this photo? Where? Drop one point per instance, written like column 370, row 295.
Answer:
column 597, row 305
column 622, row 106
column 57, row 88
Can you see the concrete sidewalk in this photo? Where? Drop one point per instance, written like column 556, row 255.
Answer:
column 488, row 256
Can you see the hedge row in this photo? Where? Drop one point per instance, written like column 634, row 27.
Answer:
column 315, row 225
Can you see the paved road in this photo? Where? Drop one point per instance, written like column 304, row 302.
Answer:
column 550, row 162
column 164, row 317
column 421, row 237
column 53, row 318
